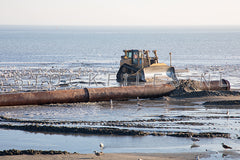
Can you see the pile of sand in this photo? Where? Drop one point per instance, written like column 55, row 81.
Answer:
column 190, row 89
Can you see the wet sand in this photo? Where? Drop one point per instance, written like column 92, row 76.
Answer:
column 129, row 156
column 111, row 156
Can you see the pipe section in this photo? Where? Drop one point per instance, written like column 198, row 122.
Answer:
column 128, row 92
column 216, row 85
column 85, row 95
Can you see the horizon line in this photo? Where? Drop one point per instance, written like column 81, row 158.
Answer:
column 64, row 25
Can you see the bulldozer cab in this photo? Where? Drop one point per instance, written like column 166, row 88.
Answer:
column 138, row 58
column 132, row 57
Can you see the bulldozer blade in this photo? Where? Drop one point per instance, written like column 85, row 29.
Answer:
column 159, row 73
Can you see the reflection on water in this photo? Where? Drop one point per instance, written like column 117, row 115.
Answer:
column 153, row 115
column 113, row 144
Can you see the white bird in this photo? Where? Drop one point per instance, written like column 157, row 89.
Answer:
column 101, row 145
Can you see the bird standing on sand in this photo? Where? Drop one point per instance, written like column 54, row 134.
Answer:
column 98, row 153
column 226, row 146
column 194, row 140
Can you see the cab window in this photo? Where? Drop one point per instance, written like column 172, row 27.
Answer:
column 135, row 58
column 129, row 54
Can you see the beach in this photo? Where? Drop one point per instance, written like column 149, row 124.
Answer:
column 111, row 156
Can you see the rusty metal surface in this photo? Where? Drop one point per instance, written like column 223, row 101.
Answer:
column 128, row 92
column 85, row 95
column 216, row 85
column 31, row 98
column 99, row 94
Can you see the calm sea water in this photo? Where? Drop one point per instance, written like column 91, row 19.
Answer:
column 61, row 44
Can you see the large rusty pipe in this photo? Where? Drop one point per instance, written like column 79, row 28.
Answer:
column 121, row 93
column 215, row 85
column 47, row 97
column 85, row 95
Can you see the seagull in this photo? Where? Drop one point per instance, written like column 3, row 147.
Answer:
column 101, row 145
column 226, row 146
column 98, row 153
column 194, row 139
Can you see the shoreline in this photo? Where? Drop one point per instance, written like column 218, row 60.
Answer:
column 112, row 156
column 53, row 155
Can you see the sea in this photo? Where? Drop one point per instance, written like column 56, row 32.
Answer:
column 99, row 48
column 217, row 45
column 36, row 56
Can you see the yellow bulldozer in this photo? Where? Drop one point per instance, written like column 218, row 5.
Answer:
column 137, row 65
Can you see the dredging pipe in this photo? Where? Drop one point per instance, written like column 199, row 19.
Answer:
column 85, row 95
column 222, row 84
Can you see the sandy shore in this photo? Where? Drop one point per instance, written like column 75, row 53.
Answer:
column 111, row 156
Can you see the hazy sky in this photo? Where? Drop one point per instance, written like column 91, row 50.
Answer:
column 119, row 12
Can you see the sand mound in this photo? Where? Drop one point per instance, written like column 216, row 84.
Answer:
column 191, row 88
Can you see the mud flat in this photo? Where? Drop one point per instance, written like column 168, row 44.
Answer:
column 191, row 89
column 226, row 102
column 110, row 131
column 30, row 152
column 188, row 90
column 184, row 113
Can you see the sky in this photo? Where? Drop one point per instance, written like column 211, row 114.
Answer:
column 120, row 12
